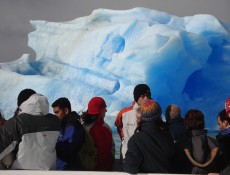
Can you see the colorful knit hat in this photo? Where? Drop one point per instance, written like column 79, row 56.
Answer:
column 227, row 105
column 96, row 104
column 150, row 110
column 139, row 90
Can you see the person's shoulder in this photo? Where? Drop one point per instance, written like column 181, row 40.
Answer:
column 125, row 109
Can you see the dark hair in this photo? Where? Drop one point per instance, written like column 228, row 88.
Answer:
column 223, row 116
column 194, row 119
column 62, row 103
column 25, row 95
column 88, row 118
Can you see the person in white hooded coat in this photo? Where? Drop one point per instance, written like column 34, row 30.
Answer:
column 31, row 136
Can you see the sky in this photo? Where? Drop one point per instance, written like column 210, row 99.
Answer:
column 15, row 16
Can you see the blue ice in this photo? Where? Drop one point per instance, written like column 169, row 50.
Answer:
column 185, row 61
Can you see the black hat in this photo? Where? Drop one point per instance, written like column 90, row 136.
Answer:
column 139, row 90
column 25, row 95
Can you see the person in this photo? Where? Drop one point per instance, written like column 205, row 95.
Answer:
column 32, row 135
column 175, row 122
column 6, row 161
column 100, row 132
column 200, row 149
column 126, row 120
column 177, row 129
column 2, row 119
column 223, row 138
column 225, row 171
column 151, row 148
column 227, row 106
column 23, row 96
column 71, row 136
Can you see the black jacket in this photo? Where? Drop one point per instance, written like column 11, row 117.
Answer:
column 226, row 171
column 151, row 150
column 176, row 128
column 224, row 145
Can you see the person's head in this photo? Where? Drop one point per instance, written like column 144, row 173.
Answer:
column 61, row 107
column 227, row 107
column 97, row 106
column 172, row 111
column 150, row 111
column 37, row 104
column 22, row 97
column 194, row 119
column 141, row 92
column 223, row 120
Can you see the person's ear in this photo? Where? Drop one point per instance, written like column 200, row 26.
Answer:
column 225, row 122
column 66, row 111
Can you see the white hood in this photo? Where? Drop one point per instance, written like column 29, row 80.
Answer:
column 37, row 104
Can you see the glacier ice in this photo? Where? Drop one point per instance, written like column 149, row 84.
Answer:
column 185, row 60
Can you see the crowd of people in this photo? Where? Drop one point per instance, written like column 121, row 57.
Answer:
column 36, row 139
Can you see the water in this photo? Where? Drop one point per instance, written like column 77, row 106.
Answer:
column 117, row 141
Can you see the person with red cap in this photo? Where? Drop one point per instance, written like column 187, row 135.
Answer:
column 101, row 133
column 227, row 106
column 127, row 120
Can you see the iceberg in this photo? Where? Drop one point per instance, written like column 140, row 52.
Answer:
column 184, row 60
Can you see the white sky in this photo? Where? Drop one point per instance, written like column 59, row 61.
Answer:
column 15, row 16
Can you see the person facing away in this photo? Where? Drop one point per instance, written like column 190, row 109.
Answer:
column 200, row 149
column 151, row 148
column 71, row 136
column 32, row 135
column 126, row 119
column 175, row 122
column 223, row 138
column 23, row 96
column 100, row 132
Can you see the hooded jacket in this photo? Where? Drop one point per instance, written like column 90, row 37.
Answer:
column 32, row 135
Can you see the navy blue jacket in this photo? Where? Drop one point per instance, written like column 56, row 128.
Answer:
column 69, row 142
column 176, row 128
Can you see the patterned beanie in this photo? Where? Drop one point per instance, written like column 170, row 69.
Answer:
column 150, row 110
column 139, row 90
column 227, row 105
